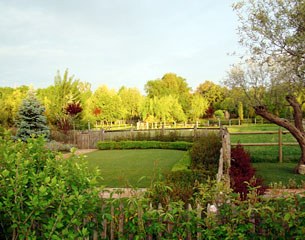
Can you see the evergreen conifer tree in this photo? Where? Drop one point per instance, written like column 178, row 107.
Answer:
column 31, row 121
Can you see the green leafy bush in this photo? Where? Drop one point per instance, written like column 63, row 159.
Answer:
column 108, row 145
column 43, row 196
column 206, row 151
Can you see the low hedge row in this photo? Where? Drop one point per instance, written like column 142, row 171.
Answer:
column 109, row 145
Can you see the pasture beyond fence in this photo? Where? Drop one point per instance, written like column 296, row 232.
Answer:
column 280, row 143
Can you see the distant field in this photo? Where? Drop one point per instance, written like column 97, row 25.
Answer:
column 265, row 153
column 121, row 168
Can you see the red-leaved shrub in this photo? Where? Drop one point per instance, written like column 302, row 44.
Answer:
column 242, row 173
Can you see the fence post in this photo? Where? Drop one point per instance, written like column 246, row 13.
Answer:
column 112, row 226
column 199, row 210
column 280, row 145
column 189, row 210
column 226, row 152
column 121, row 221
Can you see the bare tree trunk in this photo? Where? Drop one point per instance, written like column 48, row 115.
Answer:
column 296, row 129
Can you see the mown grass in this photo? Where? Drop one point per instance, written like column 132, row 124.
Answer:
column 136, row 168
column 265, row 153
column 279, row 174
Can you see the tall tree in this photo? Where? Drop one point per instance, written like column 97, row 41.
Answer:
column 199, row 106
column 65, row 91
column 131, row 102
column 210, row 91
column 104, row 105
column 10, row 101
column 31, row 120
column 170, row 84
column 273, row 32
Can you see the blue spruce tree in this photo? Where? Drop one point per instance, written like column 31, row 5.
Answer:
column 31, row 121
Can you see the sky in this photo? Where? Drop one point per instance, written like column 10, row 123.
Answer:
column 116, row 42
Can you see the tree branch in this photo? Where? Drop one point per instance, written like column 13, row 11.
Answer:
column 296, row 132
column 297, row 112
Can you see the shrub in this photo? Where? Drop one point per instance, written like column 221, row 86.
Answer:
column 108, row 145
column 43, row 196
column 219, row 114
column 58, row 146
column 206, row 151
column 242, row 173
column 184, row 183
column 31, row 120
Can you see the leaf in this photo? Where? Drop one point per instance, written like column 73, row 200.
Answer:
column 5, row 173
column 42, row 189
column 47, row 179
column 70, row 211
column 287, row 217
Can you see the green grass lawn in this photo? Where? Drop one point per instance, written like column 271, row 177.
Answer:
column 279, row 173
column 265, row 153
column 121, row 168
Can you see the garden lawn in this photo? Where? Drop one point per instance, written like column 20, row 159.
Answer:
column 136, row 168
column 280, row 173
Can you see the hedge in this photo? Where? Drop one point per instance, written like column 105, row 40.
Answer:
column 109, row 145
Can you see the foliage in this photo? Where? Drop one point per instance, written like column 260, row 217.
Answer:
column 105, row 105
column 58, row 146
column 219, row 114
column 131, row 102
column 73, row 108
column 162, row 109
column 254, row 218
column 206, row 151
column 184, row 183
column 56, row 98
column 10, row 101
column 170, row 84
column 31, row 121
column 273, row 33
column 199, row 106
column 44, row 196
column 211, row 92
column 240, row 111
column 106, row 145
column 242, row 174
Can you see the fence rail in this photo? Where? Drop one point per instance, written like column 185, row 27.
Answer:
column 279, row 143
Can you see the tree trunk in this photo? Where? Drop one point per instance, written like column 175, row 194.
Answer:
column 296, row 129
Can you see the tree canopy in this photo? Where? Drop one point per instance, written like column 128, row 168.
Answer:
column 273, row 32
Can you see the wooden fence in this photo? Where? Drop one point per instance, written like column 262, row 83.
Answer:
column 89, row 138
column 150, row 222
column 279, row 143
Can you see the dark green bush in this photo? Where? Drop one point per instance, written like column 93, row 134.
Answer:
column 206, row 151
column 108, row 145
